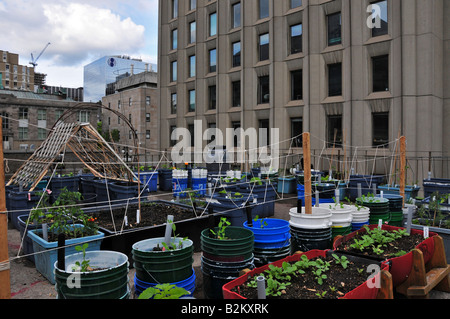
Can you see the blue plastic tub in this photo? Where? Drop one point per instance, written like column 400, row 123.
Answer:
column 46, row 253
column 165, row 179
column 21, row 203
column 200, row 185
column 179, row 185
column 434, row 185
column 410, row 191
column 301, row 195
column 274, row 234
column 234, row 209
column 149, row 180
column 357, row 226
column 367, row 184
column 286, row 185
column 188, row 284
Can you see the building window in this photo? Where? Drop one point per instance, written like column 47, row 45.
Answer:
column 147, row 134
column 173, row 104
column 5, row 120
column 42, row 133
column 264, row 133
column 212, row 60
column 23, row 133
column 83, row 117
column 263, row 9
column 296, row 132
column 296, row 38
column 174, row 9
column 192, row 4
column 23, row 113
column 380, row 73
column 335, row 79
column 148, row 100
column 174, row 39
column 192, row 66
column 212, row 24
column 212, row 97
column 236, row 54
column 193, row 32
column 130, row 102
column 192, row 101
column 236, row 93
column 119, row 104
column 42, row 115
column 297, row 85
column 334, row 29
column 212, row 135
column 380, row 129
column 380, row 18
column 296, row 3
column 263, row 90
column 236, row 15
column 148, row 117
column 173, row 71
column 334, row 131
column 264, row 47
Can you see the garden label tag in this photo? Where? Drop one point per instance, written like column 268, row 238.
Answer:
column 380, row 223
column 426, row 232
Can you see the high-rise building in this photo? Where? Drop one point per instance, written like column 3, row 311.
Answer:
column 359, row 73
column 13, row 75
column 100, row 73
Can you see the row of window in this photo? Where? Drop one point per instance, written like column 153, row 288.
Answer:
column 334, row 25
column 380, row 131
column 380, row 83
column 263, row 9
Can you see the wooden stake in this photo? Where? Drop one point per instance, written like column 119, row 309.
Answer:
column 307, row 172
column 5, row 281
column 402, row 167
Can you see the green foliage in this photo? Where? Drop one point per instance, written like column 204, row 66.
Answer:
column 164, row 291
column 343, row 261
column 376, row 239
column 82, row 266
column 263, row 222
column 223, row 224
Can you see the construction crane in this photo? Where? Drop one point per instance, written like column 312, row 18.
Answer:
column 33, row 60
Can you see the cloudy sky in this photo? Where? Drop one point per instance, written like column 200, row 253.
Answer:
column 79, row 31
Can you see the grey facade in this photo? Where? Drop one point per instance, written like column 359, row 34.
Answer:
column 355, row 88
column 136, row 98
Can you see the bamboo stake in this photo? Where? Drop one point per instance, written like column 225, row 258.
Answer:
column 402, row 167
column 307, row 172
column 5, row 280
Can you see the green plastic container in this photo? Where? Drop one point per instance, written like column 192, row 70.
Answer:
column 237, row 247
column 163, row 266
column 110, row 282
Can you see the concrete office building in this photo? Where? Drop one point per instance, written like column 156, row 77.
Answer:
column 332, row 68
column 98, row 74
column 136, row 97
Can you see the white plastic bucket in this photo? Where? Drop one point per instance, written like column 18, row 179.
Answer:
column 319, row 219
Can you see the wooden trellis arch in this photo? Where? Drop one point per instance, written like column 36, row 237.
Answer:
column 85, row 142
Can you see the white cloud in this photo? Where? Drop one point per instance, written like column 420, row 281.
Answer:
column 79, row 31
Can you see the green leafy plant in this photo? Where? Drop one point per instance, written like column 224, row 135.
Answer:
column 173, row 246
column 263, row 221
column 343, row 261
column 164, row 291
column 82, row 266
column 221, row 229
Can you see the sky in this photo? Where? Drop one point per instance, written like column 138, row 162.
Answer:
column 79, row 32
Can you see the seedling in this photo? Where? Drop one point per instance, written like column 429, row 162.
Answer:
column 82, row 266
column 321, row 295
column 223, row 224
column 343, row 261
column 263, row 222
